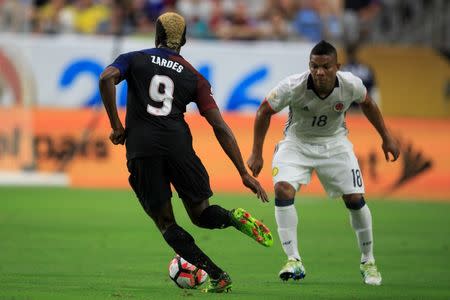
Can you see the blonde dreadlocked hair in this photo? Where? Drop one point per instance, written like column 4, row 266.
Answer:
column 171, row 30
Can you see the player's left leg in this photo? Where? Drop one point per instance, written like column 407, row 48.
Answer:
column 216, row 217
column 195, row 191
column 361, row 221
column 207, row 216
column 290, row 169
column 287, row 221
column 212, row 217
column 340, row 175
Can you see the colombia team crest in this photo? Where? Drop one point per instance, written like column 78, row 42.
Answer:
column 274, row 171
column 339, row 107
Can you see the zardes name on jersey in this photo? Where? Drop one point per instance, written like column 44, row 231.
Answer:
column 167, row 63
column 312, row 118
column 161, row 83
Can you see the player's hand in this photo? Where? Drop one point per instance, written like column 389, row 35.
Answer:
column 255, row 164
column 117, row 136
column 256, row 188
column 390, row 146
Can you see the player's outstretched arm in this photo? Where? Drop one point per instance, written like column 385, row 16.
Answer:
column 107, row 85
column 373, row 114
column 228, row 142
column 262, row 122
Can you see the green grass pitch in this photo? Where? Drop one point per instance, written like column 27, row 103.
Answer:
column 60, row 243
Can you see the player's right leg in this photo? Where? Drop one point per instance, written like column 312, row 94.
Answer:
column 287, row 221
column 211, row 217
column 149, row 179
column 291, row 168
column 184, row 245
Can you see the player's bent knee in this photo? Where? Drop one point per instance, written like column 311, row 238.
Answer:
column 352, row 197
column 196, row 221
column 284, row 191
column 195, row 210
column 354, row 201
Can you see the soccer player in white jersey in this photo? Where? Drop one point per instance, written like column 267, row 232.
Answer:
column 316, row 139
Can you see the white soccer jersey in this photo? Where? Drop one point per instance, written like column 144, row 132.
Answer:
column 312, row 118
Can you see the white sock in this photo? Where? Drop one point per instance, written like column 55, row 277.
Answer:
column 361, row 221
column 287, row 220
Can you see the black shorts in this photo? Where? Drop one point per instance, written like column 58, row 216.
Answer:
column 150, row 177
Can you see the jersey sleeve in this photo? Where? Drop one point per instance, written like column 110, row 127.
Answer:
column 359, row 90
column 122, row 63
column 279, row 97
column 205, row 100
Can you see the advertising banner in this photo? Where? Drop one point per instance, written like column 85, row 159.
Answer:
column 64, row 70
column 75, row 143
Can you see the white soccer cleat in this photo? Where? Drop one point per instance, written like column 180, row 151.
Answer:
column 370, row 273
column 292, row 269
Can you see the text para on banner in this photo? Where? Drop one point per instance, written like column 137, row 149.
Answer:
column 422, row 171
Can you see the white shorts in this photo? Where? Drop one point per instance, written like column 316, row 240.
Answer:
column 335, row 164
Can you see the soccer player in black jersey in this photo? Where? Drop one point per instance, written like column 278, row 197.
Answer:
column 159, row 144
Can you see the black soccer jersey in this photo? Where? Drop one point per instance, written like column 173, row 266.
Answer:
column 160, row 85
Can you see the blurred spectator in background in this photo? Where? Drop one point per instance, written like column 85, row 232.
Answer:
column 142, row 25
column 275, row 27
column 358, row 18
column 197, row 14
column 362, row 71
column 331, row 15
column 153, row 8
column 217, row 16
column 276, row 19
column 240, row 25
column 119, row 22
column 15, row 15
column 286, row 8
column 318, row 19
column 55, row 16
column 143, row 13
column 88, row 15
column 307, row 22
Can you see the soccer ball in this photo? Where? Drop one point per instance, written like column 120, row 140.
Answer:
column 184, row 274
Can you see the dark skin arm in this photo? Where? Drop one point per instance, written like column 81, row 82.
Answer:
column 229, row 145
column 107, row 85
column 262, row 122
column 373, row 114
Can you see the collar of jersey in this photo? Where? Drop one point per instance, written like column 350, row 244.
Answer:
column 167, row 50
column 310, row 86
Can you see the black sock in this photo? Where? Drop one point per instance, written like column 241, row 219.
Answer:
column 184, row 245
column 214, row 217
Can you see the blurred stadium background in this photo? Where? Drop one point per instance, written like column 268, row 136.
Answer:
column 54, row 132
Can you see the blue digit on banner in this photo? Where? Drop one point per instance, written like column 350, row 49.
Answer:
column 77, row 68
column 239, row 97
